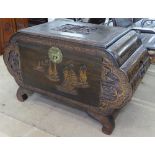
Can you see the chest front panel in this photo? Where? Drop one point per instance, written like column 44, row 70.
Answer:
column 61, row 70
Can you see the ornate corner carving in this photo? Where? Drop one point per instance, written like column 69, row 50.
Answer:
column 12, row 60
column 115, row 88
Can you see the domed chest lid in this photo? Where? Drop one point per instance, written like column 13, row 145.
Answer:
column 85, row 33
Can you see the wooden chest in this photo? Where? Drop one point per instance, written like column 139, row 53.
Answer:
column 90, row 67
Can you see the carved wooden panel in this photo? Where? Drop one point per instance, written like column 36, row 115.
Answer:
column 8, row 26
column 61, row 71
column 11, row 56
column 21, row 23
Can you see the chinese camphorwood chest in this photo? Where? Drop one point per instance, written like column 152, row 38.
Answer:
column 90, row 67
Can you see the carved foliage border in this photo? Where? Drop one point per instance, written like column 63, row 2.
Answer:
column 115, row 88
column 12, row 61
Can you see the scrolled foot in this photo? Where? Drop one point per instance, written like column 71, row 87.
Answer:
column 108, row 122
column 23, row 94
column 108, row 125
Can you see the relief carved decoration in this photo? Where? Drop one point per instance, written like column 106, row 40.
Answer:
column 72, row 81
column 115, row 88
column 12, row 61
column 75, row 29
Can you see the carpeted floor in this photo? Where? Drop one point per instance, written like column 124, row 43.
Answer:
column 39, row 116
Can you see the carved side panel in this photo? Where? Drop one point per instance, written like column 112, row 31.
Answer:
column 12, row 61
column 115, row 88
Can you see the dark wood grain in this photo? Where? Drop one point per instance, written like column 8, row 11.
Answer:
column 8, row 26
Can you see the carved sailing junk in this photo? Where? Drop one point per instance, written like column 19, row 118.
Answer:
column 41, row 63
column 39, row 67
column 70, row 81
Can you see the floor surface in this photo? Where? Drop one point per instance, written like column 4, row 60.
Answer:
column 39, row 116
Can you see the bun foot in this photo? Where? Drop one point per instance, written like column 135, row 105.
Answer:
column 108, row 122
column 108, row 125
column 23, row 94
